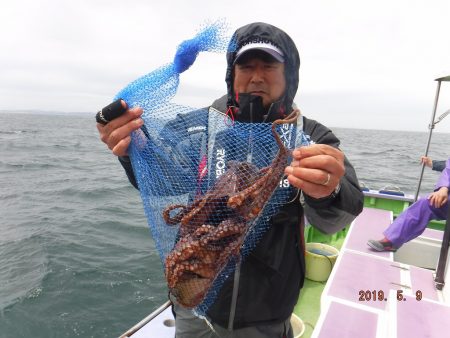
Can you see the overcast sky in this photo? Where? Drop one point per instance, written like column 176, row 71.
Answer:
column 364, row 64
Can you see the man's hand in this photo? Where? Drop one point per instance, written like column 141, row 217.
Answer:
column 116, row 134
column 427, row 161
column 316, row 169
column 439, row 197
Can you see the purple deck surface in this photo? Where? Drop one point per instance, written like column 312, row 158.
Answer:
column 370, row 224
column 361, row 269
column 422, row 280
column 358, row 272
column 422, row 319
column 345, row 321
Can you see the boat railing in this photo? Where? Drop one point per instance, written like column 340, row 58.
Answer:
column 146, row 320
column 388, row 194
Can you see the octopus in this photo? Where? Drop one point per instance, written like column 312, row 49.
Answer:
column 213, row 227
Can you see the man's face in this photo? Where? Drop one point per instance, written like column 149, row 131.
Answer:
column 259, row 74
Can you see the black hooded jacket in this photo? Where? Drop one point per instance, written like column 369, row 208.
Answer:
column 269, row 280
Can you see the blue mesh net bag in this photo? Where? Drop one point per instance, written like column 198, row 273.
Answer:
column 209, row 185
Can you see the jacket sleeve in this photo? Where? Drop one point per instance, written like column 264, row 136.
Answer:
column 444, row 178
column 331, row 214
column 126, row 164
column 178, row 152
column 438, row 165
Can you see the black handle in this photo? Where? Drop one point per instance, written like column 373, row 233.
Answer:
column 110, row 112
column 439, row 281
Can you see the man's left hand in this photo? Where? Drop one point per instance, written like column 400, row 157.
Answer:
column 316, row 169
column 439, row 197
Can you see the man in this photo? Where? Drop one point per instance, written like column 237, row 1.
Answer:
column 413, row 221
column 258, row 299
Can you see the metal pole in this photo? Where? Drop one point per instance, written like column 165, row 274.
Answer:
column 442, row 263
column 431, row 127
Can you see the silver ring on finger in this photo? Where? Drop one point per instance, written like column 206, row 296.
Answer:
column 327, row 180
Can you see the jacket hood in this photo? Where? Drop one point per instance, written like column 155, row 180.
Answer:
column 263, row 32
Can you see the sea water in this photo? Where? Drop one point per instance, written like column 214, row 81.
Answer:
column 76, row 256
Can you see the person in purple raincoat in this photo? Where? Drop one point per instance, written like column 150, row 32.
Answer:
column 413, row 221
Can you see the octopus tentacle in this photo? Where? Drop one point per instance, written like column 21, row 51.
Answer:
column 177, row 218
column 271, row 176
column 225, row 229
column 185, row 271
column 291, row 118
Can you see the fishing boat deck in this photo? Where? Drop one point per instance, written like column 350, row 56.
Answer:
column 371, row 294
column 335, row 309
